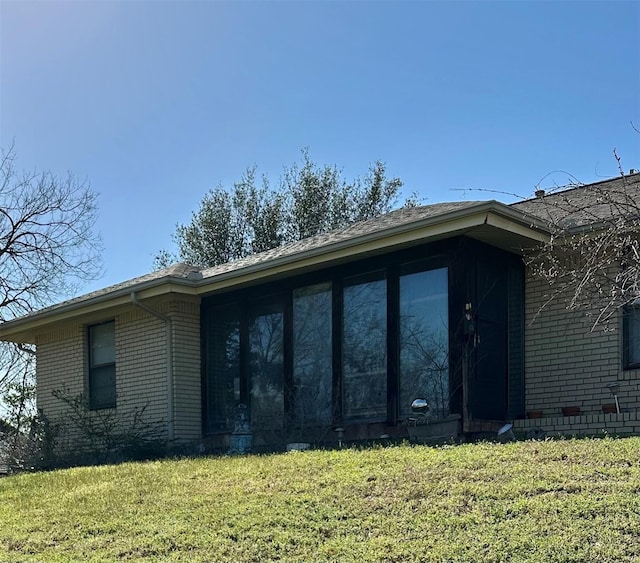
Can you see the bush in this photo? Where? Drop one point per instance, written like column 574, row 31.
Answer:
column 102, row 436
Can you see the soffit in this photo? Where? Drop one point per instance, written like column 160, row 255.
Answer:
column 490, row 222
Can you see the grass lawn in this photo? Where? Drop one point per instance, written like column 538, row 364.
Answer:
column 571, row 500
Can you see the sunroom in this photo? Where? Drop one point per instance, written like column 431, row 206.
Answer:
column 344, row 346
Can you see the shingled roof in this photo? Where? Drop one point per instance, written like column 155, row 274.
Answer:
column 396, row 229
column 576, row 206
column 177, row 272
column 404, row 216
column 582, row 205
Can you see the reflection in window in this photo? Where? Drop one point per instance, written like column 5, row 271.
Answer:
column 365, row 350
column 102, row 366
column 266, row 365
column 312, row 356
column 424, row 341
column 631, row 337
column 223, row 386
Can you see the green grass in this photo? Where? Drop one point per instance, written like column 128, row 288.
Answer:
column 573, row 500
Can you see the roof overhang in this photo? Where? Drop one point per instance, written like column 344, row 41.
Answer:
column 490, row 222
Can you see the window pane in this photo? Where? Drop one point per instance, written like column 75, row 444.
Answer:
column 365, row 351
column 102, row 368
column 266, row 366
column 633, row 336
column 223, row 366
column 102, row 387
column 312, row 356
column 102, row 342
column 424, row 341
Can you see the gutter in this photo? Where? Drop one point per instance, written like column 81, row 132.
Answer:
column 91, row 302
column 485, row 213
column 169, row 336
column 491, row 212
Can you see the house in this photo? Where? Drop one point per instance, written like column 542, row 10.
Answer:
column 343, row 331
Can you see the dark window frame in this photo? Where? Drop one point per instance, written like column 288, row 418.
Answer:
column 97, row 372
column 377, row 275
column 459, row 255
column 629, row 311
column 398, row 263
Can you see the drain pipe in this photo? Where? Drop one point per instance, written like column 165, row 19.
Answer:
column 169, row 331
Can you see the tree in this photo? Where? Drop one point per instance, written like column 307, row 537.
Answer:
column 252, row 217
column 47, row 247
column 47, row 243
column 592, row 258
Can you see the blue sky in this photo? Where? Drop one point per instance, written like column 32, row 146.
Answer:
column 157, row 102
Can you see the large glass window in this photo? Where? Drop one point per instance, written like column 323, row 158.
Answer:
column 223, row 359
column 312, row 393
column 266, row 365
column 102, row 366
column 364, row 355
column 424, row 341
column 631, row 337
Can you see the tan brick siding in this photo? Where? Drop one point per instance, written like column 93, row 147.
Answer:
column 622, row 424
column 141, row 366
column 185, row 318
column 567, row 363
column 60, row 364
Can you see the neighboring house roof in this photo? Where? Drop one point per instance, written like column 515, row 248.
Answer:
column 511, row 227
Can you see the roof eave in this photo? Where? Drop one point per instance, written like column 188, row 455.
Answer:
column 456, row 222
column 449, row 224
column 16, row 329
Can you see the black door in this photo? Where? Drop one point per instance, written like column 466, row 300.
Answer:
column 488, row 389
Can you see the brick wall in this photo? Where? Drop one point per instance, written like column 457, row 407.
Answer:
column 141, row 366
column 569, row 364
column 185, row 318
column 60, row 363
column 623, row 424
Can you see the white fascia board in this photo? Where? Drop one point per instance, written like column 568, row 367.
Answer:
column 374, row 242
column 17, row 329
column 446, row 225
column 507, row 224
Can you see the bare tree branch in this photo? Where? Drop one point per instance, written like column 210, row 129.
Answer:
column 592, row 259
column 47, row 248
column 47, row 244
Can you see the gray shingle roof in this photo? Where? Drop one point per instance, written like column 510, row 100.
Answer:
column 177, row 271
column 579, row 206
column 575, row 206
column 184, row 273
column 377, row 224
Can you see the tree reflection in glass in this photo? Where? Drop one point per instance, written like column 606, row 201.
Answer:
column 223, row 386
column 312, row 357
column 364, row 353
column 266, row 365
column 424, row 341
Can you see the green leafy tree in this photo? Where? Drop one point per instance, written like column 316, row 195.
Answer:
column 253, row 216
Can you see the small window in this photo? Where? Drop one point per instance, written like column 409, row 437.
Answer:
column 102, row 366
column 631, row 337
